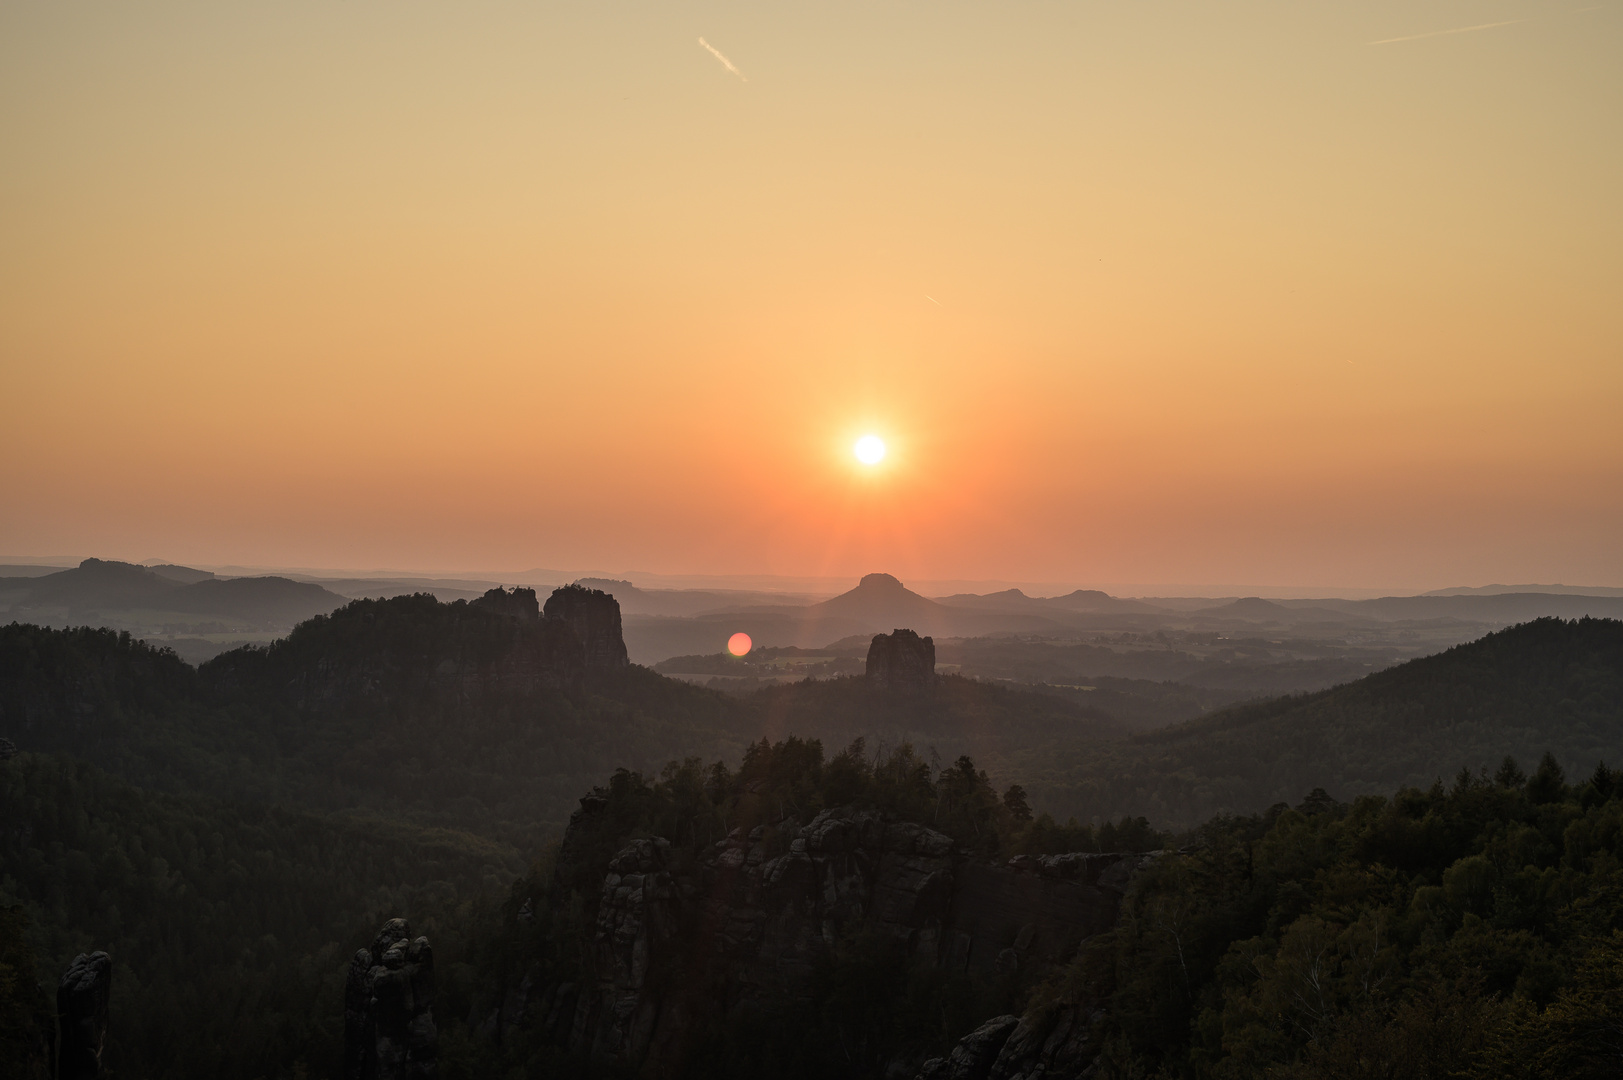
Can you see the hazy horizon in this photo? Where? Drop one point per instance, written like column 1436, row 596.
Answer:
column 813, row 586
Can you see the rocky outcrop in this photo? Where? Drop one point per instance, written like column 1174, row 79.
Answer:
column 902, row 660
column 594, row 616
column 975, row 1054
column 1057, row 1040
column 415, row 653
column 82, row 1014
column 1054, row 1042
column 746, row 926
column 516, row 604
column 389, row 1031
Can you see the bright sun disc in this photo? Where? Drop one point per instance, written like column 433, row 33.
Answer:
column 870, row 449
column 739, row 644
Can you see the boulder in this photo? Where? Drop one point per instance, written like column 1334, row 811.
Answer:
column 902, row 660
column 82, row 1012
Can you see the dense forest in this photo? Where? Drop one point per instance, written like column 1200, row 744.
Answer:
column 1473, row 929
column 870, row 1002
column 341, row 715
column 229, row 924
column 232, row 833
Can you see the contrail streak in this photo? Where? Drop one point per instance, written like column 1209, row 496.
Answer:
column 1456, row 30
column 726, row 63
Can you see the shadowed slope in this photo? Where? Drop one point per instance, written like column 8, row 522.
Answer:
column 1542, row 685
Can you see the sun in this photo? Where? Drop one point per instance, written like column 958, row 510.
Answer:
column 870, row 449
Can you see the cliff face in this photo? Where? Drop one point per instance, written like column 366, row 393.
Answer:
column 414, row 649
column 902, row 659
column 594, row 617
column 679, row 943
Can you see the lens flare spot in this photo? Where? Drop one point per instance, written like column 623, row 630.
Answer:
column 739, row 644
column 870, row 449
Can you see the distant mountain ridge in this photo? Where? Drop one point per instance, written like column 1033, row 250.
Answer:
column 1553, row 590
column 99, row 586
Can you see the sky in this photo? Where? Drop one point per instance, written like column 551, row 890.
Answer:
column 1281, row 293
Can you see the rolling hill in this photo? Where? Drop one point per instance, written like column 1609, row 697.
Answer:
column 1547, row 685
column 99, row 590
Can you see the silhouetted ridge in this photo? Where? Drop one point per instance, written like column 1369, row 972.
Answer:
column 97, row 585
column 409, row 647
column 1537, row 674
column 1544, row 685
column 876, row 582
column 518, row 604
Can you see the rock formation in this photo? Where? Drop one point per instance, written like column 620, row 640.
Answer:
column 975, row 1054
column 901, row 660
column 1055, row 1042
column 414, row 653
column 82, row 1012
column 389, row 1031
column 594, row 616
column 748, row 925
column 518, row 604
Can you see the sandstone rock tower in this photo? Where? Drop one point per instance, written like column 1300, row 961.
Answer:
column 594, row 616
column 389, row 1031
column 902, row 660
column 82, row 1011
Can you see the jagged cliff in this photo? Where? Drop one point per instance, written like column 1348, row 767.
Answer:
column 419, row 650
column 679, row 945
column 594, row 617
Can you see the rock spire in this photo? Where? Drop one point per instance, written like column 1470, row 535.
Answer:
column 902, row 660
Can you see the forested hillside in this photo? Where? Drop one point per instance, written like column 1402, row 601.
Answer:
column 1468, row 930
column 229, row 925
column 451, row 715
column 446, row 714
column 437, row 713
column 1473, row 930
column 1546, row 685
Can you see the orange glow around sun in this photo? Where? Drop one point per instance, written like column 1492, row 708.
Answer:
column 480, row 315
column 739, row 644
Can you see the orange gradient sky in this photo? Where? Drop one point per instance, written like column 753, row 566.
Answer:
column 1133, row 291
